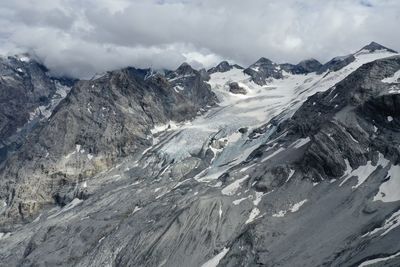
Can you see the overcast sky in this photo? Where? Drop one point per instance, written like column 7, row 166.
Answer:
column 82, row 37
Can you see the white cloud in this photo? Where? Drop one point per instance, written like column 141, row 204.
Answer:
column 80, row 38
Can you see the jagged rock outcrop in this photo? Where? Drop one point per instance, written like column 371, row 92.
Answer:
column 27, row 94
column 303, row 67
column 99, row 122
column 340, row 121
column 191, row 84
column 235, row 88
column 336, row 63
column 262, row 70
column 373, row 46
column 224, row 66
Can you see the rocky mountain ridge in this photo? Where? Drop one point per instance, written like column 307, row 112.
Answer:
column 297, row 166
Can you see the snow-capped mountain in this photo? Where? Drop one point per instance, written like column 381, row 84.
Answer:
column 271, row 165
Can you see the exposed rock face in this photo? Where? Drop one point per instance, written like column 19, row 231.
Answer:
column 373, row 46
column 190, row 84
column 263, row 69
column 24, row 87
column 99, row 122
column 304, row 67
column 336, row 63
column 335, row 134
column 234, row 88
column 339, row 62
column 309, row 65
column 224, row 66
column 345, row 113
column 27, row 94
column 144, row 169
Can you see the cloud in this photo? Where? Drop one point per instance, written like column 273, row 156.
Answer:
column 80, row 38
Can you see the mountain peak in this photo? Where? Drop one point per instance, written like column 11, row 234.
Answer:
column 263, row 60
column 309, row 65
column 184, row 65
column 374, row 46
column 223, row 66
column 308, row 60
column 184, row 68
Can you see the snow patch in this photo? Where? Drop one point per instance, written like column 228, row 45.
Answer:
column 24, row 59
column 363, row 172
column 258, row 198
column 44, row 112
column 238, row 201
column 294, row 208
column 301, row 142
column 137, row 208
column 178, row 88
column 4, row 235
column 253, row 215
column 273, row 154
column 290, row 175
column 394, row 79
column 246, row 168
column 389, row 224
column 280, row 213
column 231, row 189
column 298, row 205
column 164, row 127
column 157, row 189
column 378, row 260
column 389, row 191
column 75, row 202
column 182, row 77
column 216, row 259
column 69, row 155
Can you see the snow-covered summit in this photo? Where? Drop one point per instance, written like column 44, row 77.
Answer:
column 373, row 46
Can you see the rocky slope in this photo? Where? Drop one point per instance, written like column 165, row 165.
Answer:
column 99, row 122
column 27, row 95
column 139, row 168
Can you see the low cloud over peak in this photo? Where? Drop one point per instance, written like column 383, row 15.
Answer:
column 80, row 38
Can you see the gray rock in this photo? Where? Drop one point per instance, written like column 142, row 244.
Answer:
column 336, row 63
column 262, row 70
column 373, row 46
column 224, row 66
column 100, row 122
column 234, row 88
column 303, row 67
column 27, row 95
